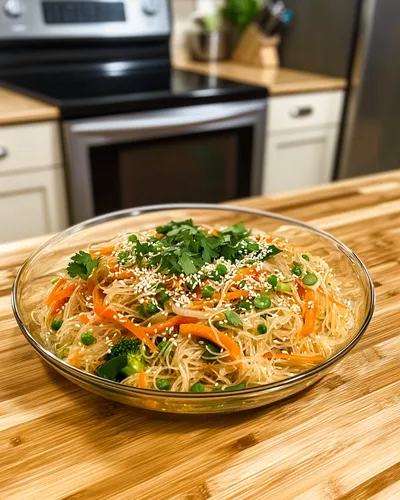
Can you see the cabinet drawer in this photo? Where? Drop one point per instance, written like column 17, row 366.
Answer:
column 294, row 112
column 29, row 146
column 37, row 202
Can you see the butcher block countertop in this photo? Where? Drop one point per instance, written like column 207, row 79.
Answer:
column 339, row 439
column 17, row 108
column 278, row 81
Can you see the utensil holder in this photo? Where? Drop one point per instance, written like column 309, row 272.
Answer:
column 257, row 49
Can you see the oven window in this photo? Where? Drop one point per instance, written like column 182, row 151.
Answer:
column 210, row 167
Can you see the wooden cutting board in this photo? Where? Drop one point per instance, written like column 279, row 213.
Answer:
column 338, row 440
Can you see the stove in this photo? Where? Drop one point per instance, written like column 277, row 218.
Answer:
column 126, row 114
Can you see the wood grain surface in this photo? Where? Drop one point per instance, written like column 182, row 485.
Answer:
column 338, row 440
column 18, row 108
column 279, row 81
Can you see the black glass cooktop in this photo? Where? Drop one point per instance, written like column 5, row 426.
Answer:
column 122, row 87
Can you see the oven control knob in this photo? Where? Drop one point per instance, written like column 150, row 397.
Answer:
column 13, row 8
column 150, row 7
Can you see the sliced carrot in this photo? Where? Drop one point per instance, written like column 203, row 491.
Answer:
column 124, row 274
column 214, row 231
column 105, row 312
column 73, row 358
column 295, row 358
column 329, row 297
column 84, row 318
column 97, row 252
column 142, row 379
column 170, row 323
column 245, row 271
column 219, row 338
column 90, row 286
column 57, row 305
column 237, row 294
column 159, row 236
column 52, row 297
column 310, row 314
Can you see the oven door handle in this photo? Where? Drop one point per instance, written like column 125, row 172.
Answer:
column 167, row 120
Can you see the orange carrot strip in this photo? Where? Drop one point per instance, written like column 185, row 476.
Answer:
column 105, row 312
column 170, row 323
column 57, row 305
column 237, row 294
column 310, row 314
column 246, row 271
column 84, row 318
column 66, row 292
column 124, row 274
column 295, row 357
column 329, row 297
column 90, row 286
column 219, row 338
column 96, row 252
column 142, row 379
column 53, row 294
column 159, row 236
column 73, row 358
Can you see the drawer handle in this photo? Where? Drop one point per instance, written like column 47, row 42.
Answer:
column 3, row 152
column 301, row 111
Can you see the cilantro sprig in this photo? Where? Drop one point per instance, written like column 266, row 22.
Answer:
column 183, row 247
column 82, row 265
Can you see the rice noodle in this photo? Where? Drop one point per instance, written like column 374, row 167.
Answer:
column 183, row 364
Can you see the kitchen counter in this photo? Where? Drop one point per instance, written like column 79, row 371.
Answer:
column 17, row 108
column 338, row 440
column 278, row 81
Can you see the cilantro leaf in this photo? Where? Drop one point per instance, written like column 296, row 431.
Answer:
column 82, row 265
column 232, row 318
column 271, row 251
column 187, row 264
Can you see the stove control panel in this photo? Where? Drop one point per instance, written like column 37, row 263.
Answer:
column 66, row 19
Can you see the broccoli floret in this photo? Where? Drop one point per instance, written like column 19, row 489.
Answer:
column 124, row 346
column 124, row 359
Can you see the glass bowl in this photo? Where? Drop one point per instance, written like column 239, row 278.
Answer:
column 32, row 282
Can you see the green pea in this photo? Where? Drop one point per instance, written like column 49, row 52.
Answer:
column 261, row 329
column 296, row 270
column 310, row 279
column 197, row 387
column 132, row 238
column 252, row 247
column 305, row 256
column 273, row 280
column 208, row 292
column 262, row 302
column 152, row 308
column 163, row 346
column 163, row 296
column 221, row 269
column 242, row 283
column 214, row 275
column 163, row 384
column 245, row 304
column 56, row 324
column 87, row 338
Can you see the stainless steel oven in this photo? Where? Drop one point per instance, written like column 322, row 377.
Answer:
column 207, row 153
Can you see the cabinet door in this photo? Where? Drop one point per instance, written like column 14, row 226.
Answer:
column 32, row 204
column 298, row 160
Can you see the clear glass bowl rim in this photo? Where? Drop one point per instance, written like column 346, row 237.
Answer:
column 120, row 388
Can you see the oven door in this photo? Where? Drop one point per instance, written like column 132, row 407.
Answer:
column 209, row 153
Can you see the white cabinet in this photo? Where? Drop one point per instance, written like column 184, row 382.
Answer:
column 32, row 187
column 301, row 142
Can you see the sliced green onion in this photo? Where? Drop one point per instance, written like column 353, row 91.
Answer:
column 310, row 279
